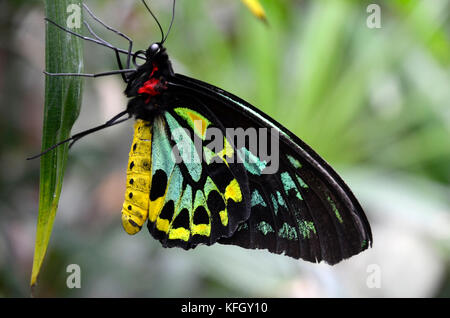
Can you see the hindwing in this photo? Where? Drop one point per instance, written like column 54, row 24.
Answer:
column 196, row 195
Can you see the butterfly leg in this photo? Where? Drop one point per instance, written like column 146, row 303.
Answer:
column 114, row 121
column 86, row 38
column 119, row 61
column 130, row 42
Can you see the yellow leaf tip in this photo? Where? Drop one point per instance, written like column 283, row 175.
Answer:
column 257, row 9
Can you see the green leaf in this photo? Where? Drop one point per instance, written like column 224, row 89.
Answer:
column 62, row 106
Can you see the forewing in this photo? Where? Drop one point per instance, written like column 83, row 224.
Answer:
column 304, row 209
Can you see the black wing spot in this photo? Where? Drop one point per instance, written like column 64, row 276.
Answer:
column 167, row 211
column 130, row 195
column 134, row 147
column 215, row 202
column 220, row 174
column 182, row 220
column 201, row 216
column 159, row 185
column 131, row 181
column 131, row 165
column 129, row 207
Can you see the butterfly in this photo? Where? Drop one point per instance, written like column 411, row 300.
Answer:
column 192, row 191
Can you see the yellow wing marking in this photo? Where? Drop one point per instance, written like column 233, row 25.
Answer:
column 179, row 233
column 156, row 207
column 197, row 122
column 233, row 191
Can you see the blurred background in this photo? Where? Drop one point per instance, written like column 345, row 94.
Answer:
column 374, row 102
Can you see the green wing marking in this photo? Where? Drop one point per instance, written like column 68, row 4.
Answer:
column 251, row 162
column 186, row 148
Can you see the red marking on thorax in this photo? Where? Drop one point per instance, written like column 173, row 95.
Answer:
column 155, row 69
column 152, row 87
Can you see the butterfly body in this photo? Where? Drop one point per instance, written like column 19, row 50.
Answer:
column 227, row 195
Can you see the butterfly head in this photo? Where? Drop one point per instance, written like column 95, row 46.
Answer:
column 154, row 50
column 156, row 55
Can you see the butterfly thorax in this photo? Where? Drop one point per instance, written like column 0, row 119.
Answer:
column 147, row 86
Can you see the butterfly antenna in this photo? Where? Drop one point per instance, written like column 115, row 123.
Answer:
column 154, row 17
column 171, row 22
column 82, row 134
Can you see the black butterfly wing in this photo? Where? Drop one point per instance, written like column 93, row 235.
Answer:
column 304, row 210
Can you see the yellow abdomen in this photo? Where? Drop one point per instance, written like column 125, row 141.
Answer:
column 137, row 194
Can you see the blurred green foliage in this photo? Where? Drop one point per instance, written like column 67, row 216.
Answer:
column 372, row 102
